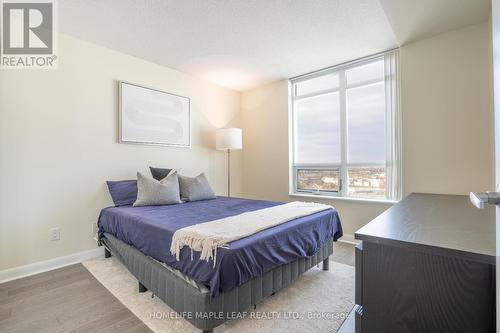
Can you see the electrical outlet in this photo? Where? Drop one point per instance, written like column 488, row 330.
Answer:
column 54, row 234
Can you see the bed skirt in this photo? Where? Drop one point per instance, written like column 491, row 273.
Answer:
column 195, row 304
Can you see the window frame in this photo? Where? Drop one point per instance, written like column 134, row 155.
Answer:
column 392, row 186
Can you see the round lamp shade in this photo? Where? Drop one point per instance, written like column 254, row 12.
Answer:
column 228, row 138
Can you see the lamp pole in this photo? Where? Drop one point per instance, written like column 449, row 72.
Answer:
column 228, row 139
column 228, row 172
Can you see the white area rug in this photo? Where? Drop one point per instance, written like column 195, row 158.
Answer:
column 318, row 302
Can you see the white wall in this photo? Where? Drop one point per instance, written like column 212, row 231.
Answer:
column 58, row 145
column 447, row 125
column 447, row 112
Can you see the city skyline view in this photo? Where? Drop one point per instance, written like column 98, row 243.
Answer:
column 366, row 182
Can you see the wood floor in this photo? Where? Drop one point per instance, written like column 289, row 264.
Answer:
column 70, row 299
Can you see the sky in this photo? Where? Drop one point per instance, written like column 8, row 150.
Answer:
column 317, row 122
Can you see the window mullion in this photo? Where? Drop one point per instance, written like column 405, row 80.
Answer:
column 343, row 134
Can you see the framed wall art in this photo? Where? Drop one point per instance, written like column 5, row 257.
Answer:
column 150, row 116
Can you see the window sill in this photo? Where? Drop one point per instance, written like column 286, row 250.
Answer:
column 331, row 197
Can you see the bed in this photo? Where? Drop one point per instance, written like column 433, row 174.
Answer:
column 207, row 293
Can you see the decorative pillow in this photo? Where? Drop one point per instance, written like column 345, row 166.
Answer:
column 194, row 189
column 159, row 173
column 123, row 192
column 151, row 192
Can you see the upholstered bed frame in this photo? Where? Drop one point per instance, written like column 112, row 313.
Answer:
column 185, row 297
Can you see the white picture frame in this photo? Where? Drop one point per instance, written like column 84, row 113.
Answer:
column 153, row 117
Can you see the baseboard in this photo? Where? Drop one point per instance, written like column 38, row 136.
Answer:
column 48, row 265
column 348, row 238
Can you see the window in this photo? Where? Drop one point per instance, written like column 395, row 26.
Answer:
column 345, row 139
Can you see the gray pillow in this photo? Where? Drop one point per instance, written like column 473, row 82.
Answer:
column 159, row 173
column 194, row 189
column 151, row 192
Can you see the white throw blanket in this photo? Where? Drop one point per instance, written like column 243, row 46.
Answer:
column 207, row 237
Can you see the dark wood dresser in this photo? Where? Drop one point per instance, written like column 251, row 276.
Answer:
column 427, row 264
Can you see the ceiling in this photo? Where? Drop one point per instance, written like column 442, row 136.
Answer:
column 242, row 44
column 418, row 19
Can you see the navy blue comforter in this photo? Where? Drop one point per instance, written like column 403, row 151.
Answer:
column 150, row 230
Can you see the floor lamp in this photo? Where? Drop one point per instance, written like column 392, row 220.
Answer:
column 228, row 139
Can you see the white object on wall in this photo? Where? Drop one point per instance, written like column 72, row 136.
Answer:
column 149, row 116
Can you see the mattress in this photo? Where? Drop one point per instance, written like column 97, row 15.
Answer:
column 150, row 230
